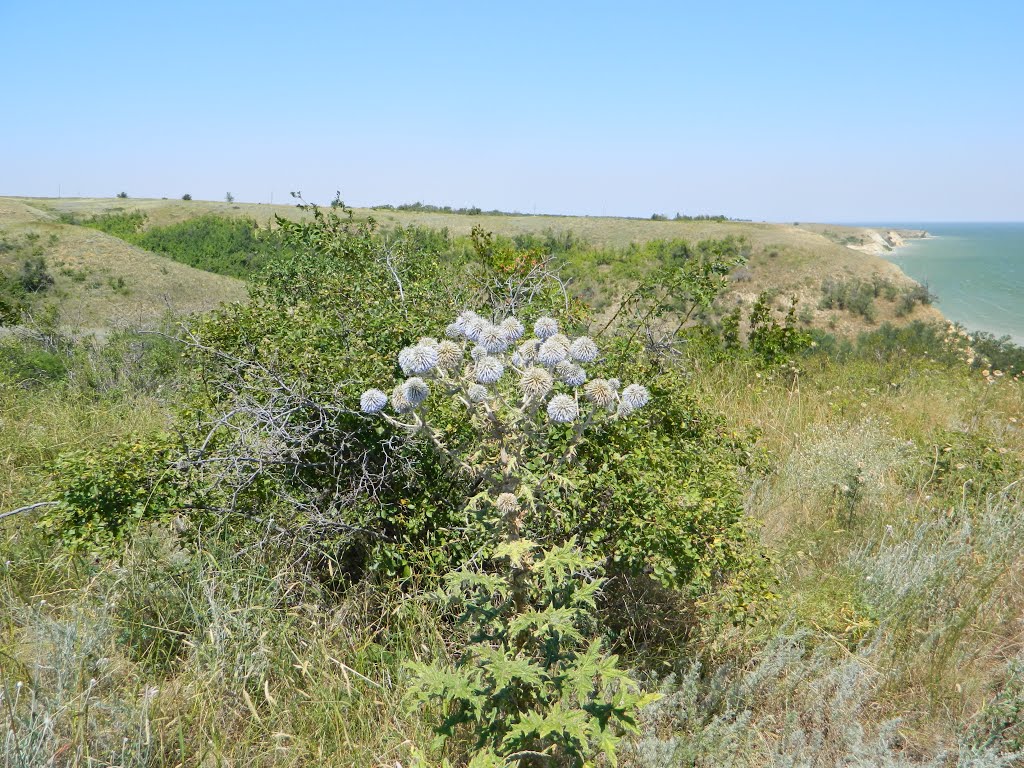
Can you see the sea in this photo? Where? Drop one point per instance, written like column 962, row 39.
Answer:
column 976, row 271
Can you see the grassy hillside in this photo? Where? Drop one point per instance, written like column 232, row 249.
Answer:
column 788, row 260
column 100, row 281
column 815, row 553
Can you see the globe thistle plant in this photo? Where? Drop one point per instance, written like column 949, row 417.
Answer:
column 513, row 329
column 535, row 383
column 563, row 409
column 488, row 370
column 545, row 327
column 415, row 391
column 449, row 355
column 373, row 401
column 494, row 339
column 477, row 393
column 524, row 426
column 512, row 413
column 551, row 353
column 583, row 350
column 600, row 392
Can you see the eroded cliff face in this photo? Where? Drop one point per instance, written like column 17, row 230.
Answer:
column 881, row 241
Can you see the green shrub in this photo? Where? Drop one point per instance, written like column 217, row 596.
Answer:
column 221, row 244
column 116, row 223
column 34, row 277
column 105, row 492
column 773, row 343
column 855, row 296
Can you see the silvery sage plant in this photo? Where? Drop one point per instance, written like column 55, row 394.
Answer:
column 514, row 387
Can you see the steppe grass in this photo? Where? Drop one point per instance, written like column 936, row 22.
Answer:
column 897, row 612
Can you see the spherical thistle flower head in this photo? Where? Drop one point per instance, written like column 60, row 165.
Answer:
column 488, row 370
column 635, row 396
column 415, row 390
column 545, row 327
column 493, row 338
column 583, row 350
column 449, row 355
column 571, row 374
column 517, row 360
column 513, row 329
column 625, row 410
column 454, row 331
column 399, row 401
column 561, row 340
column 372, row 401
column 614, row 384
column 420, row 359
column 477, row 393
column 479, row 352
column 551, row 353
column 507, row 503
column 474, row 328
column 528, row 349
column 563, row 409
column 536, row 382
column 464, row 319
column 405, row 360
column 600, row 392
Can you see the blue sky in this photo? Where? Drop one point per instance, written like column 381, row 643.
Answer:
column 788, row 111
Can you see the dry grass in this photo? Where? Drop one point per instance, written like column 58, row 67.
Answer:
column 103, row 282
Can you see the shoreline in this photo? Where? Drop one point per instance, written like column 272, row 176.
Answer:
column 883, row 241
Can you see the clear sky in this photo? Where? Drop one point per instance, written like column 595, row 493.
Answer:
column 808, row 111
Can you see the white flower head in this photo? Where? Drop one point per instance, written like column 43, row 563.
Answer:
column 635, row 396
column 545, row 327
column 418, row 359
column 405, row 360
column 478, row 352
column 583, row 350
column 528, row 350
column 415, row 390
column 449, row 355
column 464, row 320
column 454, row 331
column 488, row 370
column 477, row 393
column 399, row 401
column 536, row 382
column 570, row 373
column 372, row 401
column 625, row 410
column 551, row 353
column 563, row 409
column 517, row 360
column 513, row 329
column 493, row 338
column 561, row 340
column 507, row 503
column 600, row 392
column 614, row 384
column 474, row 328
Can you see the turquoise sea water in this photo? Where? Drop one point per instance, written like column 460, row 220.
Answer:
column 976, row 270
